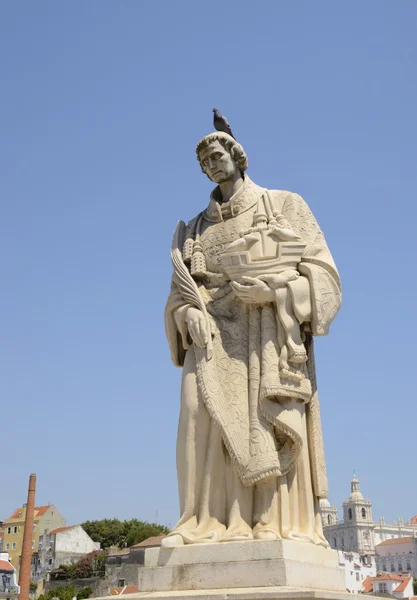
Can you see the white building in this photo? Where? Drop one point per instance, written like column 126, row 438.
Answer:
column 357, row 569
column 62, row 546
column 358, row 532
column 9, row 590
column 389, row 584
column 397, row 555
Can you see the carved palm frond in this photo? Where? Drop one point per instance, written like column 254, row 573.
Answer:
column 185, row 283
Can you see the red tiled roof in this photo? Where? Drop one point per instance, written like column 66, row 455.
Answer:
column 121, row 591
column 6, row 566
column 414, row 520
column 368, row 583
column 403, row 585
column 59, row 529
column 150, row 542
column 395, row 541
column 39, row 512
column 388, row 577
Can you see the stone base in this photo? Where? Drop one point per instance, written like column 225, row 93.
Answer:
column 236, row 568
column 256, row 593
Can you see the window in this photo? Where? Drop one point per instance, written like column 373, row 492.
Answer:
column 334, row 542
column 33, row 544
column 408, row 565
column 384, row 567
column 400, row 567
column 7, row 546
column 383, row 588
column 9, row 530
column 350, row 514
column 50, row 561
column 329, row 519
column 122, row 582
column 15, row 529
column 14, row 546
column 392, row 568
column 363, row 513
column 357, row 576
column 343, row 543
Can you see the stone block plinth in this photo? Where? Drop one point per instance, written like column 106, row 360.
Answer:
column 237, row 565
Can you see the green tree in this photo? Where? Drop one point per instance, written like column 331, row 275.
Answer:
column 67, row 592
column 415, row 586
column 142, row 532
column 112, row 532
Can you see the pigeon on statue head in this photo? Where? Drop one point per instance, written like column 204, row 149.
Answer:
column 221, row 123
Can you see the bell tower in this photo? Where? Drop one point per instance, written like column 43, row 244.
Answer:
column 328, row 513
column 357, row 519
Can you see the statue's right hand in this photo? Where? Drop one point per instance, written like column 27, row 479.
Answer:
column 197, row 326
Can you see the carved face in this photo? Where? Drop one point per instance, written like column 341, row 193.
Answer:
column 217, row 163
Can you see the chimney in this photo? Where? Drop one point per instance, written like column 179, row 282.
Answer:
column 26, row 560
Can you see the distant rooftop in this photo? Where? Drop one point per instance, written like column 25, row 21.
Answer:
column 59, row 529
column 39, row 512
column 396, row 541
column 151, row 542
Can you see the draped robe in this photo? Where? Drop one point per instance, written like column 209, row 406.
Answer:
column 250, row 456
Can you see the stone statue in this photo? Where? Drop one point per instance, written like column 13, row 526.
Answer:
column 253, row 283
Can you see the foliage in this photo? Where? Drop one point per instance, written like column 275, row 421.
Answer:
column 67, row 592
column 90, row 565
column 112, row 532
column 138, row 534
column 415, row 585
column 33, row 586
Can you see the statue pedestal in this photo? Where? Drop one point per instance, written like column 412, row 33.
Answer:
column 242, row 570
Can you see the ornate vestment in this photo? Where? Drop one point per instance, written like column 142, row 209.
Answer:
column 256, row 406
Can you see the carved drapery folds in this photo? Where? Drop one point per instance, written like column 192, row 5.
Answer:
column 246, row 380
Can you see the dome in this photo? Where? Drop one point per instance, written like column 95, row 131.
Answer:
column 324, row 503
column 355, row 493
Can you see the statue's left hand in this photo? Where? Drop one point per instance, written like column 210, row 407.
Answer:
column 254, row 292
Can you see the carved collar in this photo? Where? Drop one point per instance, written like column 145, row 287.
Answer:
column 246, row 197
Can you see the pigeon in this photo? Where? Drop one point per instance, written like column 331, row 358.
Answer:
column 221, row 123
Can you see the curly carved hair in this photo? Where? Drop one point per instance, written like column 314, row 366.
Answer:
column 230, row 144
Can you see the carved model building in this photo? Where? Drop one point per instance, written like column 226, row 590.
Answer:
column 358, row 532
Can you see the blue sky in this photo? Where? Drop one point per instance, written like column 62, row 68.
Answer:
column 103, row 103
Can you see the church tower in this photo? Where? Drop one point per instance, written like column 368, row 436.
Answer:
column 328, row 513
column 357, row 520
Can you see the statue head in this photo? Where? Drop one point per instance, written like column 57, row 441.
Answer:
column 221, row 157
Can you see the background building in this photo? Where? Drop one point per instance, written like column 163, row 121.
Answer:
column 8, row 579
column 358, row 532
column 391, row 585
column 397, row 555
column 122, row 565
column 45, row 519
column 357, row 569
column 61, row 546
